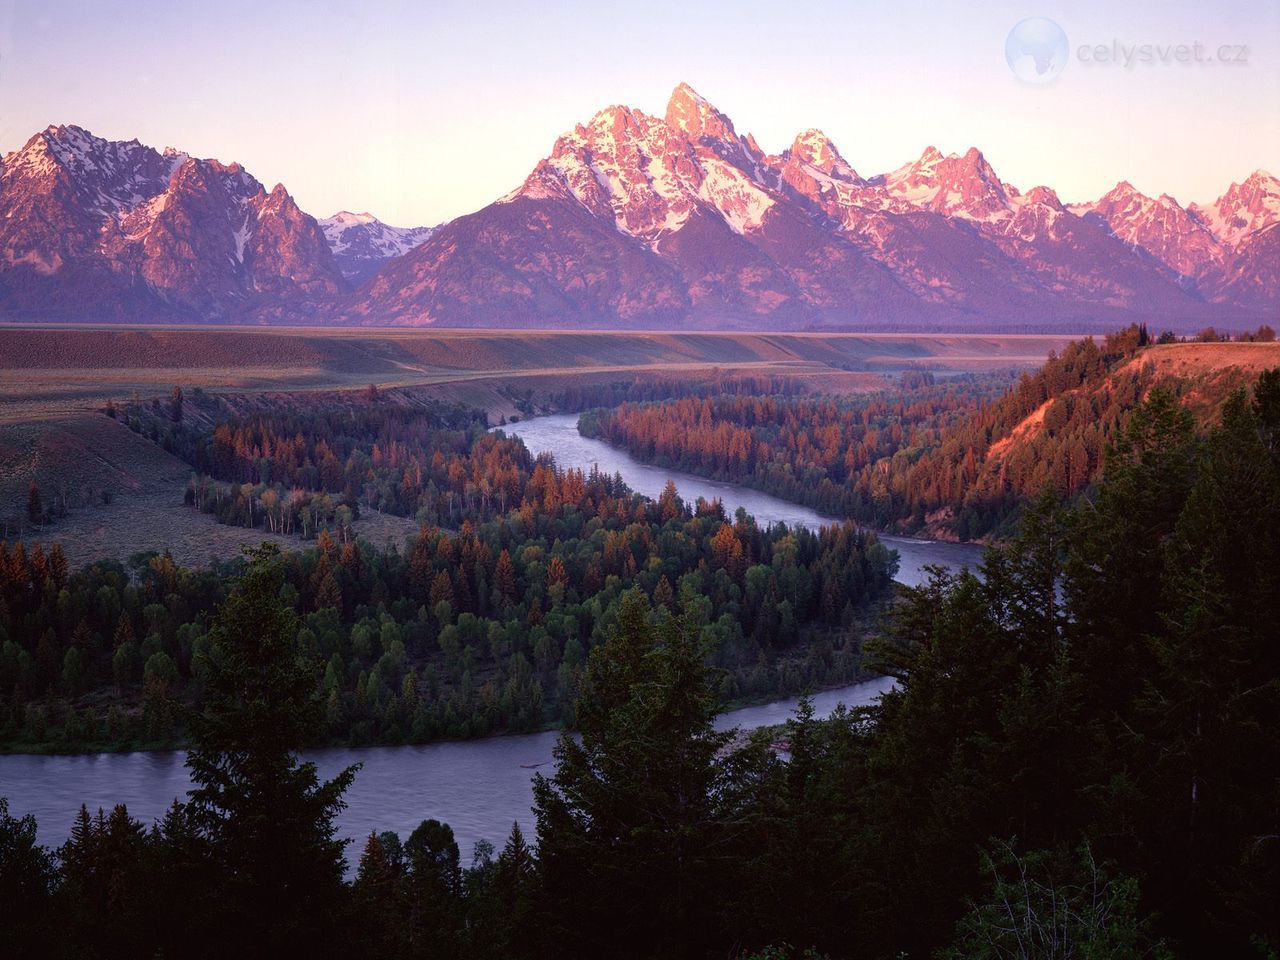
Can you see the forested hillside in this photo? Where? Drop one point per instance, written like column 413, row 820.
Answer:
column 955, row 458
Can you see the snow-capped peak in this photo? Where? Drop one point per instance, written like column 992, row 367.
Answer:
column 1043, row 195
column 964, row 186
column 361, row 242
column 690, row 113
column 346, row 218
column 111, row 177
column 1245, row 208
column 1158, row 225
column 814, row 149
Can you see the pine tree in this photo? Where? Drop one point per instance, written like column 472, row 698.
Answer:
column 435, row 888
column 1208, row 754
column 381, row 899
column 627, row 824
column 58, row 566
column 504, row 576
column 268, row 817
column 1117, row 547
column 28, row 876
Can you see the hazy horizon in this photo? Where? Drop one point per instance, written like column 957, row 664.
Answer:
column 420, row 115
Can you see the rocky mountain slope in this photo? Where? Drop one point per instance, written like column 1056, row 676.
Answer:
column 635, row 220
column 362, row 244
column 92, row 229
column 640, row 220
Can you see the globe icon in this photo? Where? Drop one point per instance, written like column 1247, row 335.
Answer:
column 1036, row 50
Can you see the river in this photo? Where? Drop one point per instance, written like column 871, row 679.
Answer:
column 478, row 787
column 558, row 435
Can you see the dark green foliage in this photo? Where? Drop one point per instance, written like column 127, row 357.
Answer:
column 106, row 872
column 268, row 818
column 28, row 876
column 459, row 634
column 292, row 471
column 1125, row 529
column 1053, row 907
column 630, row 827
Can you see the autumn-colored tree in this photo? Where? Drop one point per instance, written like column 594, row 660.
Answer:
column 504, row 575
column 441, row 588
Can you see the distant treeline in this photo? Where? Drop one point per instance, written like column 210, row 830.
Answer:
column 297, row 471
column 838, row 455
column 640, row 389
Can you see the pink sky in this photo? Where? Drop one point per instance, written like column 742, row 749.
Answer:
column 419, row 112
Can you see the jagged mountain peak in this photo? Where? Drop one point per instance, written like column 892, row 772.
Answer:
column 165, row 234
column 1124, row 188
column 1244, row 208
column 362, row 244
column 348, row 217
column 1044, row 195
column 72, row 134
column 933, row 163
column 1124, row 196
column 958, row 185
column 974, row 163
column 815, row 149
column 1160, row 226
column 694, row 116
column 1262, row 178
column 929, row 157
column 632, row 218
column 649, row 175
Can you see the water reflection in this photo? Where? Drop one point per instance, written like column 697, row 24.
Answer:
column 558, row 435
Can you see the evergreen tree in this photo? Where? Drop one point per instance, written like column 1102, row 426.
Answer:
column 105, row 879
column 381, row 900
column 28, row 874
column 268, row 817
column 515, row 895
column 629, row 825
column 1208, row 754
column 1118, row 547
column 434, row 916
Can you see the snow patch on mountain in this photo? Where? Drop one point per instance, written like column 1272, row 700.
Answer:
column 1244, row 209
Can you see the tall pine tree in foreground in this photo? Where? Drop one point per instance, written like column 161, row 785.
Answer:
column 630, row 824
column 267, row 816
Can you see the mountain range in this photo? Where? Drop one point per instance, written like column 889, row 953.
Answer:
column 362, row 244
column 637, row 221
